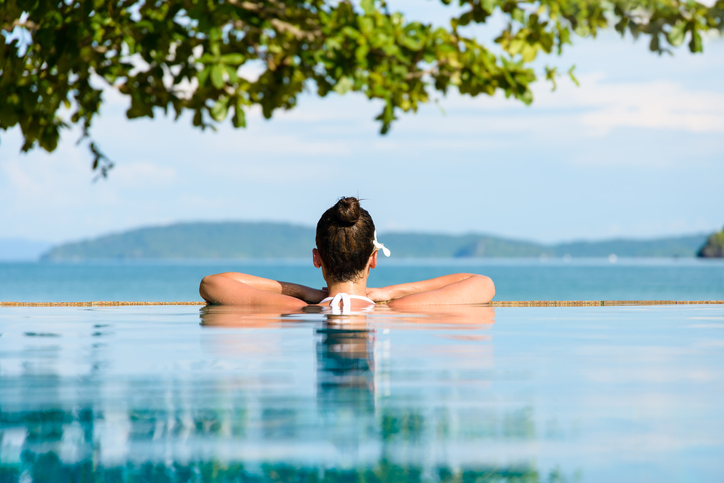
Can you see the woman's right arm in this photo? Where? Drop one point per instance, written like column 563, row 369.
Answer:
column 233, row 288
column 457, row 288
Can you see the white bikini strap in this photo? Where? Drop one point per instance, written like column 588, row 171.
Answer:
column 345, row 301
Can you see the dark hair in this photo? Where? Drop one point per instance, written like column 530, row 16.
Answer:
column 344, row 239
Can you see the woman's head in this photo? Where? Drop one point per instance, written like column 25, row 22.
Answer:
column 345, row 235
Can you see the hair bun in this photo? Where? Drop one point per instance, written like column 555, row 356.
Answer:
column 348, row 210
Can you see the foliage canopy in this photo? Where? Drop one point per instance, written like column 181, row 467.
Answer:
column 57, row 56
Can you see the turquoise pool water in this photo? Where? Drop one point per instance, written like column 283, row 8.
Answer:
column 178, row 394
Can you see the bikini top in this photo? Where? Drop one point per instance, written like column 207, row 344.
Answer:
column 341, row 304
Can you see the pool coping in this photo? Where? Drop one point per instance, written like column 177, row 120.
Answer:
column 502, row 303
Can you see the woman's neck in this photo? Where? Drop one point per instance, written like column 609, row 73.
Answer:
column 352, row 288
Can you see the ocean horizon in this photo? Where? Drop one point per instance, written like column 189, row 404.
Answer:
column 515, row 279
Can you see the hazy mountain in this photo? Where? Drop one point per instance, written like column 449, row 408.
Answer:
column 279, row 240
column 682, row 246
column 195, row 240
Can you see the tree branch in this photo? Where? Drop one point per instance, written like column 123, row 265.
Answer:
column 285, row 27
column 27, row 24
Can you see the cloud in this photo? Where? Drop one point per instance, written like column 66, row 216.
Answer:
column 143, row 175
column 651, row 105
column 598, row 105
column 660, row 105
column 286, row 144
column 270, row 172
column 28, row 178
column 445, row 143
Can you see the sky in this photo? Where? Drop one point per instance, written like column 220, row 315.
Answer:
column 636, row 151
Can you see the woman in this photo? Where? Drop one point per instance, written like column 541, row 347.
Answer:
column 346, row 251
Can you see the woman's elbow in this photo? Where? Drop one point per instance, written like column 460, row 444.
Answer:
column 207, row 289
column 491, row 286
column 486, row 288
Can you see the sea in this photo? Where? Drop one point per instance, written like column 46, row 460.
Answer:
column 515, row 279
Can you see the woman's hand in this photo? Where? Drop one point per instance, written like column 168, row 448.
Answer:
column 379, row 294
column 314, row 296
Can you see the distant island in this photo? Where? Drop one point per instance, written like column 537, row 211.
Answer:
column 714, row 246
column 247, row 240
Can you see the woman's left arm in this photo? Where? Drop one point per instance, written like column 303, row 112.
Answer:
column 456, row 288
column 234, row 288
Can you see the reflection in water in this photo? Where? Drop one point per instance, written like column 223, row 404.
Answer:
column 345, row 369
column 48, row 467
column 442, row 395
column 251, row 422
column 234, row 427
column 346, row 382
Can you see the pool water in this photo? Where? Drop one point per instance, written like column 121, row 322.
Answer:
column 463, row 394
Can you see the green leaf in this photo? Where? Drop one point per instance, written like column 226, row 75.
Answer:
column 465, row 18
column 366, row 25
column 198, row 118
column 239, row 118
column 551, row 73
column 139, row 109
column 573, row 77
column 217, row 76
column 203, row 75
column 214, row 34
column 677, row 33
column 220, row 109
column 361, row 53
column 233, row 59
column 488, row 5
column 411, row 43
column 518, row 15
column 343, row 85
column 527, row 96
column 529, row 52
column 231, row 74
column 695, row 44
column 207, row 59
column 368, row 6
column 654, row 44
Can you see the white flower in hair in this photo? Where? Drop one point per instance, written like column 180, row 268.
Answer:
column 380, row 246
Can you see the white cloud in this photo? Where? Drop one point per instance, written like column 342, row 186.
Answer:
column 598, row 105
column 29, row 178
column 651, row 105
column 143, row 175
column 270, row 172
column 446, row 143
column 288, row 144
